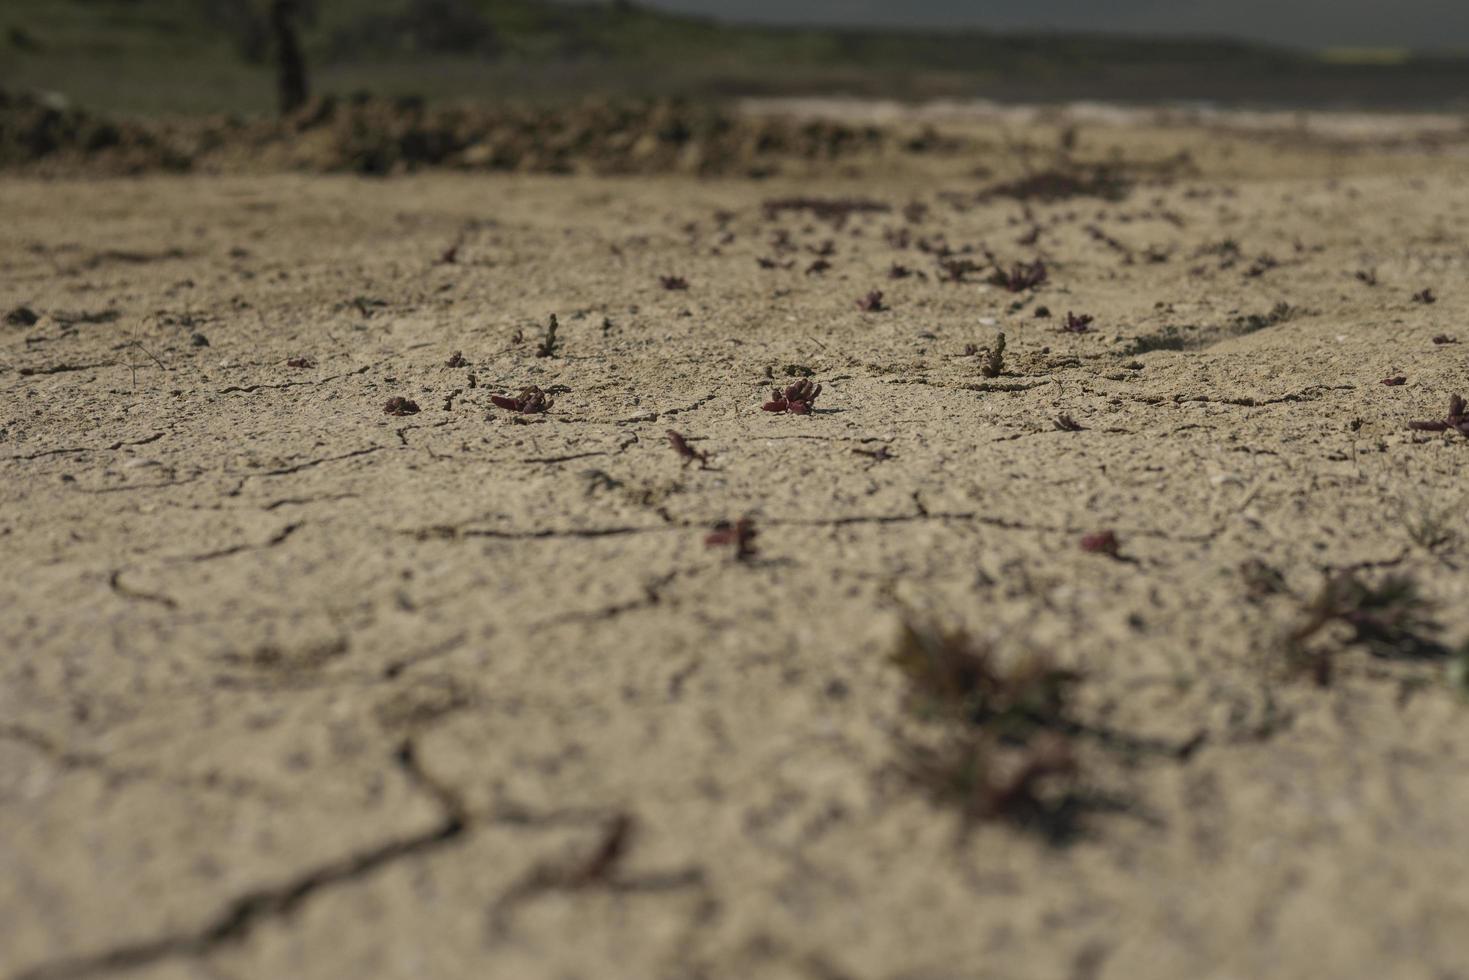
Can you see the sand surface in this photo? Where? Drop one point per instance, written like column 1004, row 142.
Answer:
column 291, row 687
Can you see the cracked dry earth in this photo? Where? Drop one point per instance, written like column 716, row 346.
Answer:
column 291, row 687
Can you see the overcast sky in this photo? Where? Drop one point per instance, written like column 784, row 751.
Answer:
column 1312, row 23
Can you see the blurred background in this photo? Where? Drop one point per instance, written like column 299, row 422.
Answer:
column 159, row 57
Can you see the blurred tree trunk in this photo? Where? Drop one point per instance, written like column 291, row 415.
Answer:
column 291, row 63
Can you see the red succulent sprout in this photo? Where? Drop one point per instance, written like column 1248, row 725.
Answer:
column 1077, row 324
column 690, row 455
column 872, row 302
column 1021, row 276
column 1456, row 421
column 399, row 405
column 1101, row 543
column 529, row 402
column 739, row 535
column 798, row 399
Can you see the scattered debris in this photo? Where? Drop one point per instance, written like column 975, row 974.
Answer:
column 836, row 210
column 198, row 340
column 1050, row 186
column 1444, row 338
column 301, row 363
column 673, row 283
column 881, row 454
column 1425, row 296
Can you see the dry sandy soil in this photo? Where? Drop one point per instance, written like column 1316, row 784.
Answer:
column 291, row 687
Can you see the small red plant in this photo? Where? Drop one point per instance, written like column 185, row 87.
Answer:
column 529, row 402
column 798, row 399
column 456, row 360
column 739, row 535
column 689, row 453
column 1395, row 381
column 399, row 405
column 1077, row 324
column 1021, row 276
column 1457, row 420
column 1101, row 543
column 872, row 302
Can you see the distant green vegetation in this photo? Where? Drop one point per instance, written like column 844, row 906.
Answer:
column 212, row 55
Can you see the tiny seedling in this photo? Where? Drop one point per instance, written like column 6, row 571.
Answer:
column 1428, row 529
column 957, row 270
column 1395, row 382
column 1392, row 619
column 1101, row 543
column 1003, row 738
column 689, row 453
column 600, row 867
column 818, row 267
column 1065, row 423
column 955, row 678
column 988, row 780
column 456, row 360
column 1455, row 421
column 1367, row 277
column 797, row 399
column 994, row 361
column 1020, row 277
column 398, row 405
column 739, row 535
column 673, row 283
column 1076, row 324
column 872, row 302
column 898, row 271
column 22, row 316
column 1425, row 296
column 529, row 402
column 547, row 346
column 1262, row 579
